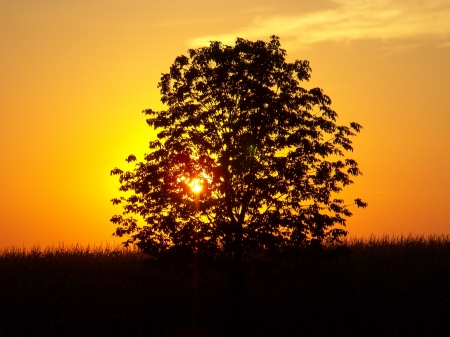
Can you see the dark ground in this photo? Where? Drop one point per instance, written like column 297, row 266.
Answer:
column 381, row 288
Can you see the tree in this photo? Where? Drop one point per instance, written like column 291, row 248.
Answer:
column 246, row 159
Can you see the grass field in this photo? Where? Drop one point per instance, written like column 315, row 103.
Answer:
column 376, row 287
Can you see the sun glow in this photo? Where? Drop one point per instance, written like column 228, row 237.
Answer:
column 196, row 185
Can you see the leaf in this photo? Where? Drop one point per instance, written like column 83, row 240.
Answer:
column 131, row 158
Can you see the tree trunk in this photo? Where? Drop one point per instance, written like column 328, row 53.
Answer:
column 237, row 283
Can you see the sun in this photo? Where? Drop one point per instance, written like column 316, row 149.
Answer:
column 196, row 185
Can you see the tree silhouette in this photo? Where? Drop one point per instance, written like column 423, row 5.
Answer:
column 246, row 159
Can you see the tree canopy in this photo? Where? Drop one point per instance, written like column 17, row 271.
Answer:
column 245, row 160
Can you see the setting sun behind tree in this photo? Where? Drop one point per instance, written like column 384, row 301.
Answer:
column 270, row 148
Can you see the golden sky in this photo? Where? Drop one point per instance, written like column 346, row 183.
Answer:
column 76, row 74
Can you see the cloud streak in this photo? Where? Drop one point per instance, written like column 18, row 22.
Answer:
column 350, row 20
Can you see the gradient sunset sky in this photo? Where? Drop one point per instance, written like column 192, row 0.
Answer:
column 76, row 74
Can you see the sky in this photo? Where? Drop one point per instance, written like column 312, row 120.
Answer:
column 75, row 76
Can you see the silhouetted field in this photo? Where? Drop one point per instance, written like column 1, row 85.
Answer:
column 378, row 287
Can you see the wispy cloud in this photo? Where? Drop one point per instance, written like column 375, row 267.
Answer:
column 349, row 20
column 259, row 9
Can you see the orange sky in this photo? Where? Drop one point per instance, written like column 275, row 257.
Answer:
column 75, row 76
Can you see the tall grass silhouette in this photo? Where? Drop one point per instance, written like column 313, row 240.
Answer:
column 378, row 286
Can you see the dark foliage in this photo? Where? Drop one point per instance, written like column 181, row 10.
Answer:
column 266, row 151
